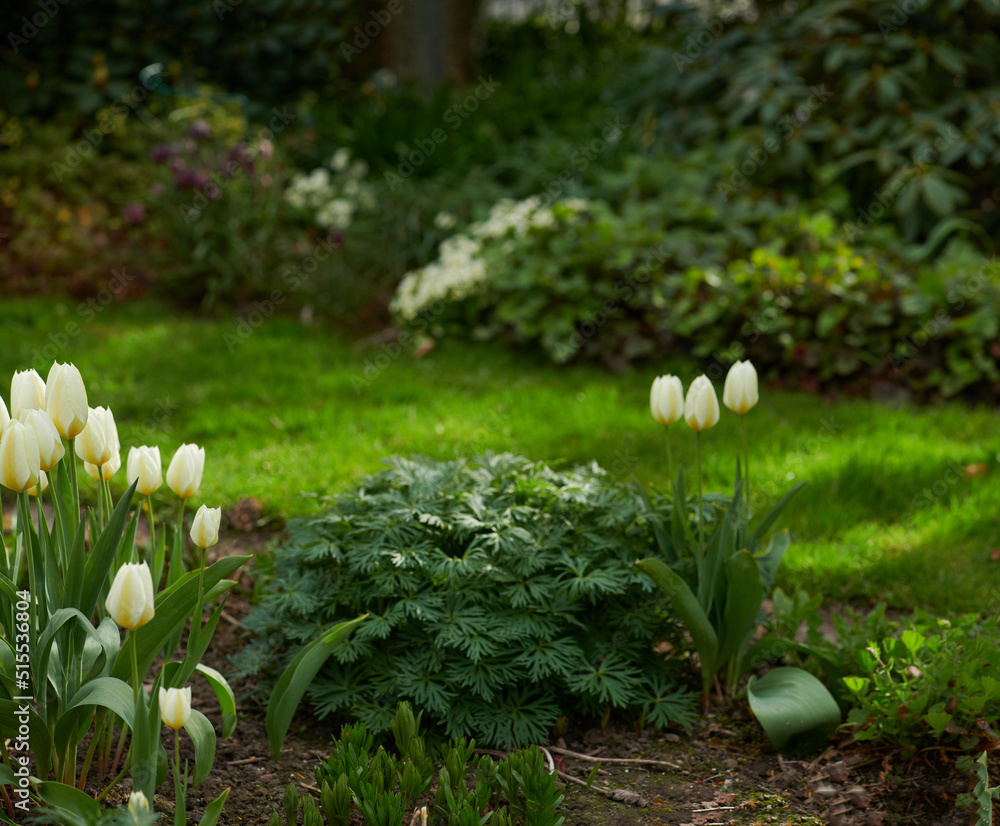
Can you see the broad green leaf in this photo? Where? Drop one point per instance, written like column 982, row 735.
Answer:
column 743, row 597
column 38, row 733
column 296, row 678
column 689, row 610
column 771, row 517
column 7, row 777
column 69, row 798
column 202, row 734
column 769, row 561
column 224, row 694
column 793, row 707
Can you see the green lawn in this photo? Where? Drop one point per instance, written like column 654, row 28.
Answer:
column 887, row 514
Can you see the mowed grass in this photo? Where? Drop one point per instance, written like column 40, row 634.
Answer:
column 901, row 505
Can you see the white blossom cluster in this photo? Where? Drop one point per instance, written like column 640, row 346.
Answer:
column 459, row 271
column 333, row 199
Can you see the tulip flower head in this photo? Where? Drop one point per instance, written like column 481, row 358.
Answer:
column 185, row 471
column 666, row 399
column 701, row 408
column 20, row 461
column 175, row 706
column 98, row 441
column 205, row 528
column 27, row 392
column 138, row 806
column 108, row 469
column 130, row 600
column 740, row 393
column 50, row 446
column 41, row 485
column 4, row 416
column 143, row 466
column 66, row 400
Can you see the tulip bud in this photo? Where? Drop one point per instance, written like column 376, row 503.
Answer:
column 205, row 528
column 130, row 600
column 144, row 465
column 108, row 469
column 19, row 457
column 175, row 706
column 701, row 408
column 42, row 483
column 27, row 392
column 50, row 446
column 98, row 441
column 666, row 399
column 66, row 400
column 138, row 806
column 740, row 392
column 185, row 471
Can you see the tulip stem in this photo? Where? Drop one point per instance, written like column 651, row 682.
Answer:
column 746, row 463
column 135, row 668
column 100, row 497
column 152, row 536
column 670, row 460
column 701, row 514
column 74, row 484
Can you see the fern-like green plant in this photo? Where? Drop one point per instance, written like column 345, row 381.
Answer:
column 500, row 595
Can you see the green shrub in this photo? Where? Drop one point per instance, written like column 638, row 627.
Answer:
column 867, row 94
column 501, row 594
column 909, row 683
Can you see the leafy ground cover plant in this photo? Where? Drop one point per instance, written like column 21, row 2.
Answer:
column 386, row 788
column 501, row 594
column 910, row 682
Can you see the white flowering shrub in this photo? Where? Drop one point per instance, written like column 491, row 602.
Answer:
column 467, row 261
column 331, row 196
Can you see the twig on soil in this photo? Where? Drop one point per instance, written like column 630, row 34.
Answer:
column 621, row 795
column 231, row 619
column 635, row 760
column 245, row 761
column 421, row 815
column 548, row 756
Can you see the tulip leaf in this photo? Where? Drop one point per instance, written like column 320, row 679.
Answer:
column 106, row 692
column 689, row 610
column 744, row 594
column 69, row 799
column 292, row 684
column 7, row 777
column 772, row 516
column 770, row 560
column 656, row 522
column 224, row 694
column 102, row 554
column 795, row 709
column 174, row 606
column 202, row 734
column 214, row 810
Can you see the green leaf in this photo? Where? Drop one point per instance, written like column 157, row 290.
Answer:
column 296, row 678
column 793, row 707
column 689, row 610
column 744, row 593
column 102, row 555
column 69, row 798
column 202, row 734
column 214, row 810
column 771, row 517
column 224, row 694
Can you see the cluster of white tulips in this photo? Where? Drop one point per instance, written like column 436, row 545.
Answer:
column 48, row 421
column 701, row 407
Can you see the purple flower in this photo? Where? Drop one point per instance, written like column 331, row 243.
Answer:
column 160, row 153
column 239, row 154
column 189, row 179
column 200, row 130
column 134, row 213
